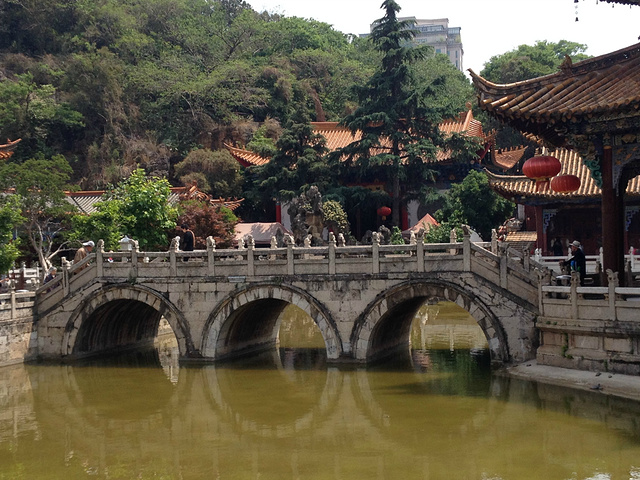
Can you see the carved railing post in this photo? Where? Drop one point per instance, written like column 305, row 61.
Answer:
column 66, row 266
column 375, row 252
column 453, row 238
column 12, row 293
column 526, row 260
column 251, row 245
column 466, row 253
column 135, row 250
column 290, row 242
column 307, row 244
column 537, row 255
column 332, row 253
column 612, row 283
column 211, row 264
column 173, row 262
column 504, row 266
column 420, row 252
column 494, row 241
column 274, row 245
column 544, row 278
column 575, row 283
column 100, row 258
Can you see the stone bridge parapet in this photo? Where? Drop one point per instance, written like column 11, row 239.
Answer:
column 224, row 303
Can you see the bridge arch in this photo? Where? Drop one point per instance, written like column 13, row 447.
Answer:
column 231, row 328
column 122, row 315
column 385, row 325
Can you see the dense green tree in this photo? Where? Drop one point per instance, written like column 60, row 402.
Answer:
column 398, row 116
column 117, row 84
column 137, row 207
column 472, row 202
column 216, row 173
column 526, row 61
column 298, row 164
column 10, row 218
column 40, row 185
column 35, row 113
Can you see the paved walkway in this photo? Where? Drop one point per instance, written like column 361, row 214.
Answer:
column 626, row 386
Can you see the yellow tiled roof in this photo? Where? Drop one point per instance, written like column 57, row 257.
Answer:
column 338, row 136
column 507, row 158
column 246, row 157
column 608, row 84
column 519, row 185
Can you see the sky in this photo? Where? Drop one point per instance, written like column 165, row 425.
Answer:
column 488, row 27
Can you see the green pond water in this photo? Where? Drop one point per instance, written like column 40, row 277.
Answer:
column 439, row 413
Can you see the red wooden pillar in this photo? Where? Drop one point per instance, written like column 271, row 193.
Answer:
column 612, row 218
column 541, row 234
column 278, row 212
column 404, row 218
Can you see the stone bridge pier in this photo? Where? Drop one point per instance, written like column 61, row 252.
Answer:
column 221, row 305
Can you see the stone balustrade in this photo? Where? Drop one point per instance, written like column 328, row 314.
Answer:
column 593, row 328
column 508, row 269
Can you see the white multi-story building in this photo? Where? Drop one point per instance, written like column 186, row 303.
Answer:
column 437, row 34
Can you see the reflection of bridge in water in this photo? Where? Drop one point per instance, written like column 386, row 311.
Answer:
column 245, row 418
column 226, row 303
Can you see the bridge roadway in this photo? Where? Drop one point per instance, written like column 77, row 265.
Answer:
column 226, row 303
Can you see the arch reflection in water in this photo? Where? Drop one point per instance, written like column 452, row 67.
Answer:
column 264, row 417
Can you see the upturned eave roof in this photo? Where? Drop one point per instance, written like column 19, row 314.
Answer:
column 547, row 106
column 337, row 136
column 525, row 191
column 7, row 149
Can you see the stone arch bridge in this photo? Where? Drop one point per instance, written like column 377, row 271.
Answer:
column 226, row 303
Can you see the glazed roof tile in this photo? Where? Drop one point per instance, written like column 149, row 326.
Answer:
column 522, row 240
column 246, row 157
column 519, row 185
column 7, row 149
column 507, row 158
column 85, row 200
column 338, row 136
column 608, row 84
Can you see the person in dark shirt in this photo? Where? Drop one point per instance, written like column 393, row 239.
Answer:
column 188, row 239
column 577, row 261
column 558, row 251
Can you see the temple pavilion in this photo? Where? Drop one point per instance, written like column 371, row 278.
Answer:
column 338, row 136
column 592, row 108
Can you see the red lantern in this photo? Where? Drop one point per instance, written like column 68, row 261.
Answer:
column 541, row 169
column 565, row 183
column 384, row 212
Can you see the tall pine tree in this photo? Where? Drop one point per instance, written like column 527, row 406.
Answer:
column 398, row 116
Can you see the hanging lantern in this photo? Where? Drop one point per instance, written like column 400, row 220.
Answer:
column 541, row 169
column 384, row 212
column 565, row 183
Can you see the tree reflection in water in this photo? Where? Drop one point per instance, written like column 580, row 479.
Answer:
column 439, row 413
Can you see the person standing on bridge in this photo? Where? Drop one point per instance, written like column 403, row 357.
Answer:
column 83, row 251
column 188, row 239
column 577, row 261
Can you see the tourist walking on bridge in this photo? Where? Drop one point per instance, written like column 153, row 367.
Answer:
column 83, row 251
